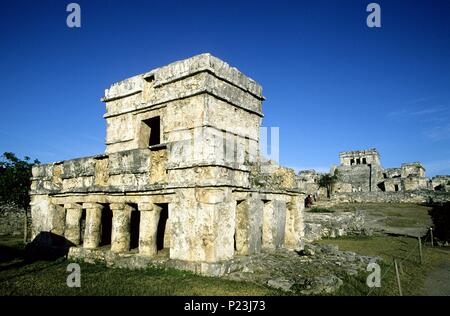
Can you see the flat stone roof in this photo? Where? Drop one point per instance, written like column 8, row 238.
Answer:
column 185, row 68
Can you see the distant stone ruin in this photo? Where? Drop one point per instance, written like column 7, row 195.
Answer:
column 361, row 178
column 181, row 173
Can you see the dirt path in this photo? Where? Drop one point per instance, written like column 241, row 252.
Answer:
column 438, row 281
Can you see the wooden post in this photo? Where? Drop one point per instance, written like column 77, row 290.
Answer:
column 398, row 278
column 420, row 249
column 431, row 235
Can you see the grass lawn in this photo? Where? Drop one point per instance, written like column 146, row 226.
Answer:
column 49, row 278
column 395, row 214
column 404, row 249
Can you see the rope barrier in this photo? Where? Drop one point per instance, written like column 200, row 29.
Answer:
column 414, row 250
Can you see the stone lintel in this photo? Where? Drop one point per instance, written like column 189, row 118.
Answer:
column 145, row 206
column 72, row 206
column 92, row 205
column 117, row 206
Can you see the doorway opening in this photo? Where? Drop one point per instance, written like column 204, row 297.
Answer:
column 162, row 223
column 106, row 226
column 82, row 225
column 135, row 221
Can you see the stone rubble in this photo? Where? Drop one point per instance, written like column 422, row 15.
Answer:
column 336, row 224
column 318, row 269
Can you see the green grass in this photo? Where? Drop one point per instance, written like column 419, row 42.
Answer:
column 388, row 247
column 397, row 214
column 320, row 210
column 49, row 278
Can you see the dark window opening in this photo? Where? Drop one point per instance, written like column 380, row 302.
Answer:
column 106, row 226
column 385, row 175
column 134, row 229
column 82, row 225
column 161, row 232
column 153, row 125
column 150, row 78
column 352, row 162
column 396, row 188
column 358, row 161
column 381, row 186
column 364, row 161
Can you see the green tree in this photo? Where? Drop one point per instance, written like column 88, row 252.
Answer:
column 327, row 181
column 15, row 179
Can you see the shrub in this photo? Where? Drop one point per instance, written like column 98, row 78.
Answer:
column 320, row 210
column 440, row 214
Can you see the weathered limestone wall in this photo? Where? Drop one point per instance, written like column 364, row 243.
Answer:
column 12, row 220
column 393, row 185
column 357, row 157
column 199, row 95
column 412, row 169
column 416, row 183
column 332, row 225
column 392, row 173
column 249, row 225
column 46, row 216
column 353, row 178
column 294, row 236
column 441, row 183
column 420, row 196
column 182, row 153
column 117, row 172
column 274, row 222
column 202, row 225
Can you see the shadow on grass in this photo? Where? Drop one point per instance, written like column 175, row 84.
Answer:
column 8, row 253
column 45, row 246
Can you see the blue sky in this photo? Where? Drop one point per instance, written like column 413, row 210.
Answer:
column 332, row 84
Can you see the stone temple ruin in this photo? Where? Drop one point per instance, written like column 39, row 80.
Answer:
column 181, row 173
column 360, row 171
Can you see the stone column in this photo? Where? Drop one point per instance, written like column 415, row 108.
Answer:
column 294, row 230
column 120, row 237
column 92, row 232
column 148, row 228
column 73, row 216
column 249, row 226
column 274, row 220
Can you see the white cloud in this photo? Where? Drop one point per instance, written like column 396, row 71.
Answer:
column 438, row 133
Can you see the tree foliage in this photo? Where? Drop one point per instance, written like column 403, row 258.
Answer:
column 440, row 215
column 15, row 179
column 327, row 181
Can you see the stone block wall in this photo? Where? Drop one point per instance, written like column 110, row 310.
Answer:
column 419, row 196
column 181, row 173
column 12, row 220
